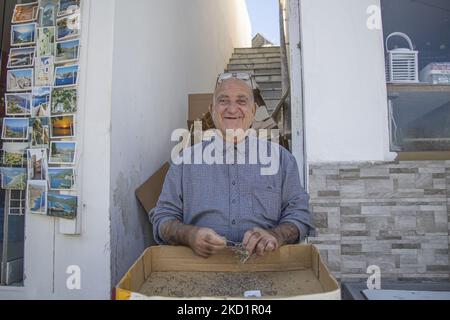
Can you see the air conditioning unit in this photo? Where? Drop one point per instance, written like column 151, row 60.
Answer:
column 402, row 64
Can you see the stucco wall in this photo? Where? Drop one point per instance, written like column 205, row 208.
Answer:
column 345, row 94
column 163, row 50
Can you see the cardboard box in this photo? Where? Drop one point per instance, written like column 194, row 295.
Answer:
column 298, row 267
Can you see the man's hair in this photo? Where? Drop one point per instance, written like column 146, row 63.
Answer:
column 250, row 88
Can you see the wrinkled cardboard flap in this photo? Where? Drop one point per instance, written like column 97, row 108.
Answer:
column 148, row 194
column 198, row 105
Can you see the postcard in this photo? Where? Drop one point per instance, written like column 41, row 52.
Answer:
column 21, row 57
column 45, row 41
column 68, row 27
column 23, row 34
column 66, row 76
column 41, row 102
column 62, row 127
column 19, row 80
column 67, row 51
column 14, row 178
column 62, row 152
column 61, row 179
column 64, row 100
column 25, row 12
column 18, row 104
column 40, row 132
column 44, row 73
column 15, row 129
column 49, row 9
column 37, row 164
column 37, row 197
column 62, row 206
column 68, row 7
column 14, row 153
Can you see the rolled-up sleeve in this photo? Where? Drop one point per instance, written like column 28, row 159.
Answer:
column 170, row 203
column 295, row 201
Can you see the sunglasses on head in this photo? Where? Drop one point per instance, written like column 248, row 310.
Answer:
column 236, row 75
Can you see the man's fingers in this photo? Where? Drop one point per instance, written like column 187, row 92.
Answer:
column 270, row 247
column 252, row 242
column 261, row 247
column 247, row 237
column 214, row 239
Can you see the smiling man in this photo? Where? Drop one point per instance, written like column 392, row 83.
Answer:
column 208, row 206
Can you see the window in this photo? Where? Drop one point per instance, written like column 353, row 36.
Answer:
column 419, row 111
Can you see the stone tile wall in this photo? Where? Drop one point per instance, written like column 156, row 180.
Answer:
column 394, row 215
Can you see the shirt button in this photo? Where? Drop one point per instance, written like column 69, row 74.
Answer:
column 234, row 201
column 233, row 183
column 233, row 222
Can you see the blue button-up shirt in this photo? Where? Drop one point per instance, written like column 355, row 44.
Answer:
column 233, row 197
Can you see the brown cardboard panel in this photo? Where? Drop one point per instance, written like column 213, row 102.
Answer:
column 148, row 194
column 198, row 105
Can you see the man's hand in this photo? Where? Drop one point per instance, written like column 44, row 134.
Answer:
column 260, row 241
column 205, row 242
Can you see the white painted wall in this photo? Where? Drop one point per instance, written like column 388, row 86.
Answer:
column 345, row 96
column 48, row 253
column 163, row 51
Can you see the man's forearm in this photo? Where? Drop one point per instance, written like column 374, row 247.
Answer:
column 174, row 233
column 286, row 233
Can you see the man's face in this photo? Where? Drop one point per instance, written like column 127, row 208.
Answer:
column 234, row 106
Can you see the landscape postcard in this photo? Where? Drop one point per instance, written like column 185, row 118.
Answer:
column 41, row 102
column 19, row 80
column 25, row 12
column 61, row 179
column 62, row 152
column 23, row 34
column 62, row 126
column 21, row 57
column 62, row 206
column 67, row 51
column 15, row 129
column 64, row 100
column 68, row 27
column 14, row 153
column 14, row 178
column 18, row 104
column 66, row 76
column 68, row 7
column 37, row 197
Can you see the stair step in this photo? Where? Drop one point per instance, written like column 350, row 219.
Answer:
column 269, row 84
column 258, row 71
column 254, row 66
column 256, row 56
column 256, row 60
column 271, row 94
column 268, row 77
column 257, row 50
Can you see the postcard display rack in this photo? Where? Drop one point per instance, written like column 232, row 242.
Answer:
column 41, row 103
